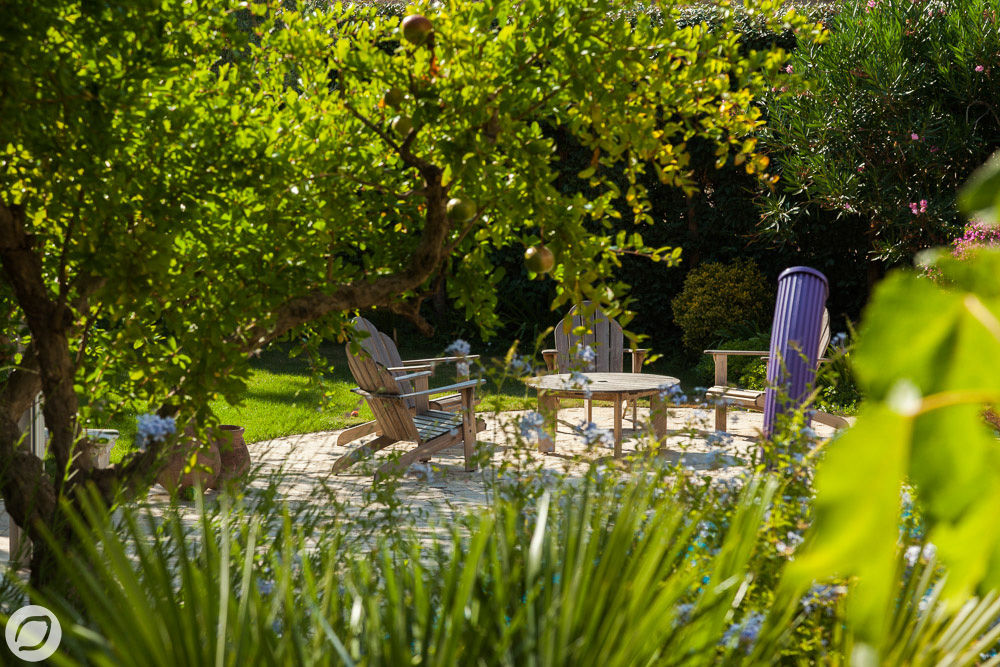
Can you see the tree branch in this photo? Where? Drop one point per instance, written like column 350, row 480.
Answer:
column 49, row 322
column 383, row 291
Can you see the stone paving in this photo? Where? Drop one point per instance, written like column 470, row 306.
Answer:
column 436, row 491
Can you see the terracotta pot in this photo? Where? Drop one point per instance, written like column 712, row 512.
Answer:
column 204, row 472
column 233, row 451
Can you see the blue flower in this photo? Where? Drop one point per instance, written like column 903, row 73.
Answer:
column 153, row 428
column 789, row 547
column 719, row 438
column 915, row 553
column 586, row 354
column 519, row 365
column 683, row 613
column 674, row 392
column 744, row 634
column 530, row 426
column 593, row 434
column 422, row 470
column 265, row 586
column 459, row 348
column 821, row 595
column 578, row 380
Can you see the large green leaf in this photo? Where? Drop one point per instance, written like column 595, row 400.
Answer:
column 940, row 340
column 928, row 356
column 857, row 514
column 981, row 195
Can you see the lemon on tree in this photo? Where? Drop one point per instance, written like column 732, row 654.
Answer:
column 417, row 28
column 394, row 97
column 402, row 125
column 461, row 210
column 539, row 259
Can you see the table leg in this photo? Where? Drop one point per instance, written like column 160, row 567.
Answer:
column 658, row 415
column 618, row 428
column 548, row 405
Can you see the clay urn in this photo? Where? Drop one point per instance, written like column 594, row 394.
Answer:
column 233, row 452
column 205, row 470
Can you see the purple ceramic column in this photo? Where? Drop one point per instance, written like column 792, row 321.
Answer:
column 798, row 321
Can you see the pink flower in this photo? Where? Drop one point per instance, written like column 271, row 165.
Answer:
column 915, row 136
column 861, row 168
column 923, row 205
column 871, row 4
column 979, row 68
column 977, row 234
column 934, row 149
column 791, row 69
column 914, row 209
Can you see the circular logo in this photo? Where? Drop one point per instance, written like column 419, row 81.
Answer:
column 33, row 633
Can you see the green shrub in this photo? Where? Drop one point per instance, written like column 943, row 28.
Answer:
column 742, row 371
column 900, row 109
column 721, row 297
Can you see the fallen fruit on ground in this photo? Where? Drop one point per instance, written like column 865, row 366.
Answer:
column 461, row 210
column 539, row 259
column 416, row 29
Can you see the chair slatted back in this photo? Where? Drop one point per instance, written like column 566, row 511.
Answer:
column 604, row 336
column 824, row 334
column 383, row 350
column 392, row 413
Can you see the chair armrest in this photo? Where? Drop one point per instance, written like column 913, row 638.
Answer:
column 410, row 369
column 739, row 353
column 410, row 376
column 550, row 358
column 721, row 358
column 437, row 390
column 438, row 360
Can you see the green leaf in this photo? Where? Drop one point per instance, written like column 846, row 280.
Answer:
column 857, row 515
column 935, row 338
column 981, row 194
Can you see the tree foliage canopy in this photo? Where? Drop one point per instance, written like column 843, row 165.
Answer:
column 177, row 190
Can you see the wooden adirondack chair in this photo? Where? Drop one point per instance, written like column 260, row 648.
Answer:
column 382, row 349
column 605, row 337
column 400, row 421
column 723, row 395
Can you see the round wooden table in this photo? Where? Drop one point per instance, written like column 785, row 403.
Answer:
column 618, row 388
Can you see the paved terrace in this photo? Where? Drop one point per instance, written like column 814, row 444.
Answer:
column 433, row 493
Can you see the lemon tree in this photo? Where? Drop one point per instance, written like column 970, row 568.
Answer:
column 184, row 181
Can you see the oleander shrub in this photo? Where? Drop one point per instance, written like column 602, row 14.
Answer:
column 717, row 298
column 977, row 234
column 899, row 110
